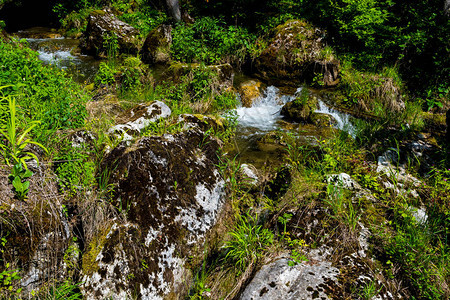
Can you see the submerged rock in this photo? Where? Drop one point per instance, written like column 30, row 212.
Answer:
column 156, row 48
column 105, row 32
column 174, row 198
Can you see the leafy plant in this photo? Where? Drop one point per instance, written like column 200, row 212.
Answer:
column 18, row 174
column 284, row 219
column 105, row 74
column 14, row 148
column 248, row 241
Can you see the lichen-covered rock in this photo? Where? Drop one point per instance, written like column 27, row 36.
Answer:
column 35, row 233
column 202, row 122
column 174, row 197
column 343, row 180
column 133, row 121
column 104, row 28
column 301, row 109
column 156, row 48
column 249, row 91
column 295, row 53
column 278, row 280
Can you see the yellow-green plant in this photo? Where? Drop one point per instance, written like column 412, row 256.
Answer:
column 13, row 142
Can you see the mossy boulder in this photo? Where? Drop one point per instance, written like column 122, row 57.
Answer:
column 156, row 48
column 322, row 120
column 106, row 33
column 296, row 53
column 301, row 109
column 249, row 91
column 174, row 198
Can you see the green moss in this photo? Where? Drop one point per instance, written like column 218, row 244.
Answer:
column 90, row 265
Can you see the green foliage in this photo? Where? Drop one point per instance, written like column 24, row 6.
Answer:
column 142, row 17
column 111, row 44
column 43, row 93
column 132, row 72
column 75, row 168
column 208, row 40
column 199, row 288
column 8, row 277
column 248, row 242
column 18, row 174
column 105, row 74
column 15, row 142
column 424, row 261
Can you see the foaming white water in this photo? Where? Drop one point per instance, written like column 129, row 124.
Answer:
column 342, row 119
column 54, row 57
column 265, row 110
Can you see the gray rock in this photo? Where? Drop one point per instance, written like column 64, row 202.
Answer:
column 278, row 280
column 249, row 175
column 156, row 48
column 174, row 198
column 135, row 120
column 389, row 165
column 343, row 180
column 102, row 25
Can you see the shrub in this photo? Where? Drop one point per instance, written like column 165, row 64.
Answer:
column 43, row 92
column 209, row 40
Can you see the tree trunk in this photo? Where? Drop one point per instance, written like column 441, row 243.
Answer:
column 173, row 8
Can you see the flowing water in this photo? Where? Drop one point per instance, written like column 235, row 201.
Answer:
column 263, row 117
column 253, row 122
column 59, row 51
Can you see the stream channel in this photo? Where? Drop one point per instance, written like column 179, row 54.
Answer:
column 256, row 124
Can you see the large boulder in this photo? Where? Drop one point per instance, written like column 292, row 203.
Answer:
column 295, row 53
column 156, row 48
column 174, row 198
column 105, row 32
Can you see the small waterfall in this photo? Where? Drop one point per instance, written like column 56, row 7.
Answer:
column 57, row 52
column 342, row 119
column 265, row 111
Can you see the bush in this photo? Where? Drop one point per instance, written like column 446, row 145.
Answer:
column 209, row 40
column 43, row 92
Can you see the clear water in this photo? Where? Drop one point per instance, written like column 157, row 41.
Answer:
column 58, row 52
